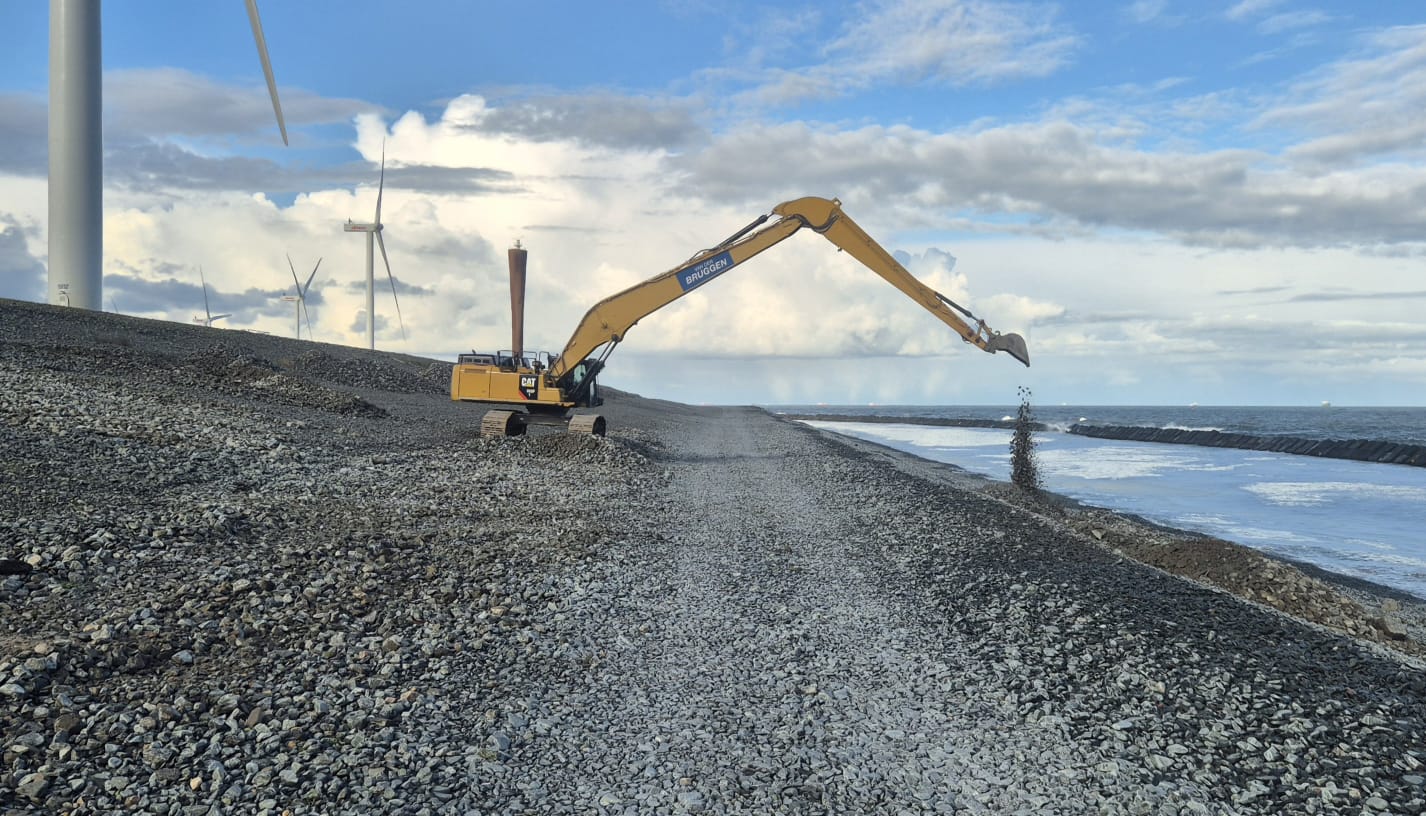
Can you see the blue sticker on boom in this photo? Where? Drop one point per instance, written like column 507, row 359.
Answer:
column 700, row 274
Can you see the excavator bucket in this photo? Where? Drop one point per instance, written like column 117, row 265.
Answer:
column 1012, row 344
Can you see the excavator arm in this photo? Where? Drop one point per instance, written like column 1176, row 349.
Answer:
column 607, row 322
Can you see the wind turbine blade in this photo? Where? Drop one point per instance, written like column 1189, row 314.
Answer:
column 266, row 65
column 310, row 336
column 381, row 184
column 308, row 284
column 204, row 280
column 392, row 279
column 294, row 275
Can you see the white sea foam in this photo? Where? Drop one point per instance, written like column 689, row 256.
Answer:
column 1237, row 531
column 1307, row 494
column 1122, row 462
column 1392, row 559
column 921, row 436
column 1206, row 518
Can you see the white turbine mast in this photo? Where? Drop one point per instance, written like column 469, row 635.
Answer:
column 301, row 297
column 208, row 317
column 373, row 231
column 76, row 157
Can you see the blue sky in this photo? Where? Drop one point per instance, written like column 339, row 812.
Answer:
column 1215, row 202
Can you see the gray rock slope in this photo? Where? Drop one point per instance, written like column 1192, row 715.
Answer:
column 262, row 576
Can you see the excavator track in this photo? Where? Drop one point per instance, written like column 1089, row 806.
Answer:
column 587, row 424
column 502, row 423
column 496, row 424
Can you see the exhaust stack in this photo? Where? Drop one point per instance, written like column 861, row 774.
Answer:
column 518, row 258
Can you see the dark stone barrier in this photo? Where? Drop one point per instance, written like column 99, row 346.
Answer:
column 1361, row 450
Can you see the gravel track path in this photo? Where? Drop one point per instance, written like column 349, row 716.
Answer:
column 748, row 664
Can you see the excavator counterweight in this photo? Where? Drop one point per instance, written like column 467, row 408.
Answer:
column 543, row 388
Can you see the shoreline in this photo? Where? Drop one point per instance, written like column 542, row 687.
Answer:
column 1386, row 609
column 1356, row 583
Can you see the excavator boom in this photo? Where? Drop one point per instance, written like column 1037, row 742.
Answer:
column 841, row 230
column 610, row 318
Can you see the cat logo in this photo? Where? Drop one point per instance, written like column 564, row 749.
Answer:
column 530, row 386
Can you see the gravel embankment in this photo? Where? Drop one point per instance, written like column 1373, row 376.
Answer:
column 265, row 576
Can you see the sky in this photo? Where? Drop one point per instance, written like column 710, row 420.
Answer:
column 1216, row 202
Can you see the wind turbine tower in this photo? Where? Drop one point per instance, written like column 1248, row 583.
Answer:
column 76, row 205
column 76, row 172
column 373, row 236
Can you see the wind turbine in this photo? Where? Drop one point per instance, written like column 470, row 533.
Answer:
column 209, row 317
column 301, row 298
column 76, row 149
column 374, row 230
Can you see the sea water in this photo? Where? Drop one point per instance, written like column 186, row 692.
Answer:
column 1361, row 519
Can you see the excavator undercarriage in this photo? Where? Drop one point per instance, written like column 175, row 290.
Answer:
column 515, row 423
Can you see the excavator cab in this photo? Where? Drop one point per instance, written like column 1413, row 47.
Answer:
column 583, row 388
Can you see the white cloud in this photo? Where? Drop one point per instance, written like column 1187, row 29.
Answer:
column 954, row 41
column 943, row 42
column 601, row 118
column 1061, row 173
column 167, row 102
column 1271, row 21
column 1362, row 107
column 22, row 276
column 1246, row 9
column 1146, row 11
column 1293, row 20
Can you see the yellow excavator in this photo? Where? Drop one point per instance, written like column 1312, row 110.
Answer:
column 542, row 388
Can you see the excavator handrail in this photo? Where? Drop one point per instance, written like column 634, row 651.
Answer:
column 609, row 319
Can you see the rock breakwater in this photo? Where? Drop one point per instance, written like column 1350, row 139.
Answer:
column 1361, row 450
